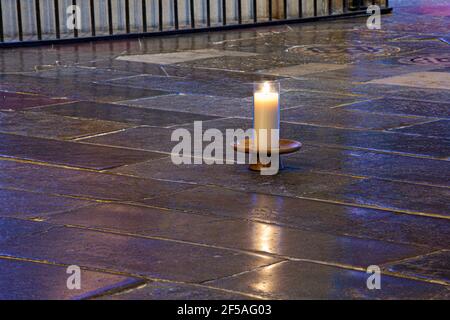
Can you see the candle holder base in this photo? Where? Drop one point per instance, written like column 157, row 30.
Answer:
column 286, row 146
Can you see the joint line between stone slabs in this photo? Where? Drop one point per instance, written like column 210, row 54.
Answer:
column 378, row 178
column 281, row 258
column 398, row 153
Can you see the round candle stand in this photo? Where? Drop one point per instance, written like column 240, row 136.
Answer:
column 286, row 146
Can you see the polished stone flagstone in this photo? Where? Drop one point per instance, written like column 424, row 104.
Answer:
column 125, row 114
column 37, row 124
column 69, row 153
column 87, row 179
column 24, row 279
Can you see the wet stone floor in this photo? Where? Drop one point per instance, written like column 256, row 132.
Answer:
column 86, row 177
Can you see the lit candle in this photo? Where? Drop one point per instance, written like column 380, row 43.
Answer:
column 266, row 112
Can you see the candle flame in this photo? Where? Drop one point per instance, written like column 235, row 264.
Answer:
column 266, row 87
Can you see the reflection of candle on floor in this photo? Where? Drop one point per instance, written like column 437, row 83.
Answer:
column 266, row 112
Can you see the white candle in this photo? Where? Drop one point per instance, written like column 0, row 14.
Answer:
column 266, row 113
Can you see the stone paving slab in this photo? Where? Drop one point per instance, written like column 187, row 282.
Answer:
column 176, row 291
column 182, row 85
column 294, row 182
column 143, row 138
column 183, row 56
column 431, row 80
column 80, row 183
column 37, row 124
column 20, row 101
column 311, row 215
column 440, row 129
column 405, row 107
column 30, row 281
column 125, row 114
column 244, row 64
column 195, row 103
column 23, row 204
column 238, row 234
column 74, row 89
column 434, row 266
column 300, row 70
column 177, row 71
column 370, row 164
column 18, row 229
column 148, row 257
column 70, row 153
column 82, row 74
column 393, row 195
column 371, row 90
column 367, row 72
column 403, row 92
column 136, row 219
column 302, row 280
column 343, row 118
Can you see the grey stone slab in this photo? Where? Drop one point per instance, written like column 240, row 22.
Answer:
column 143, row 138
column 303, row 280
column 17, row 228
column 408, row 197
column 238, row 234
column 183, row 56
column 134, row 219
column 244, row 64
column 401, row 92
column 178, row 71
column 23, row 204
column 19, row 101
column 176, row 291
column 370, row 164
column 36, row 281
column 308, row 99
column 310, row 215
column 433, row 266
column 81, row 183
column 369, row 140
column 365, row 72
column 406, row 107
column 70, row 153
column 84, row 74
column 440, row 128
column 336, row 86
column 213, row 87
column 300, row 70
column 342, row 118
column 291, row 182
column 74, row 89
column 154, row 258
column 200, row 104
column 51, row 126
column 371, row 90
column 431, row 80
column 125, row 114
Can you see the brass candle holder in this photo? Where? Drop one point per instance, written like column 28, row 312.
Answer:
column 286, row 146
